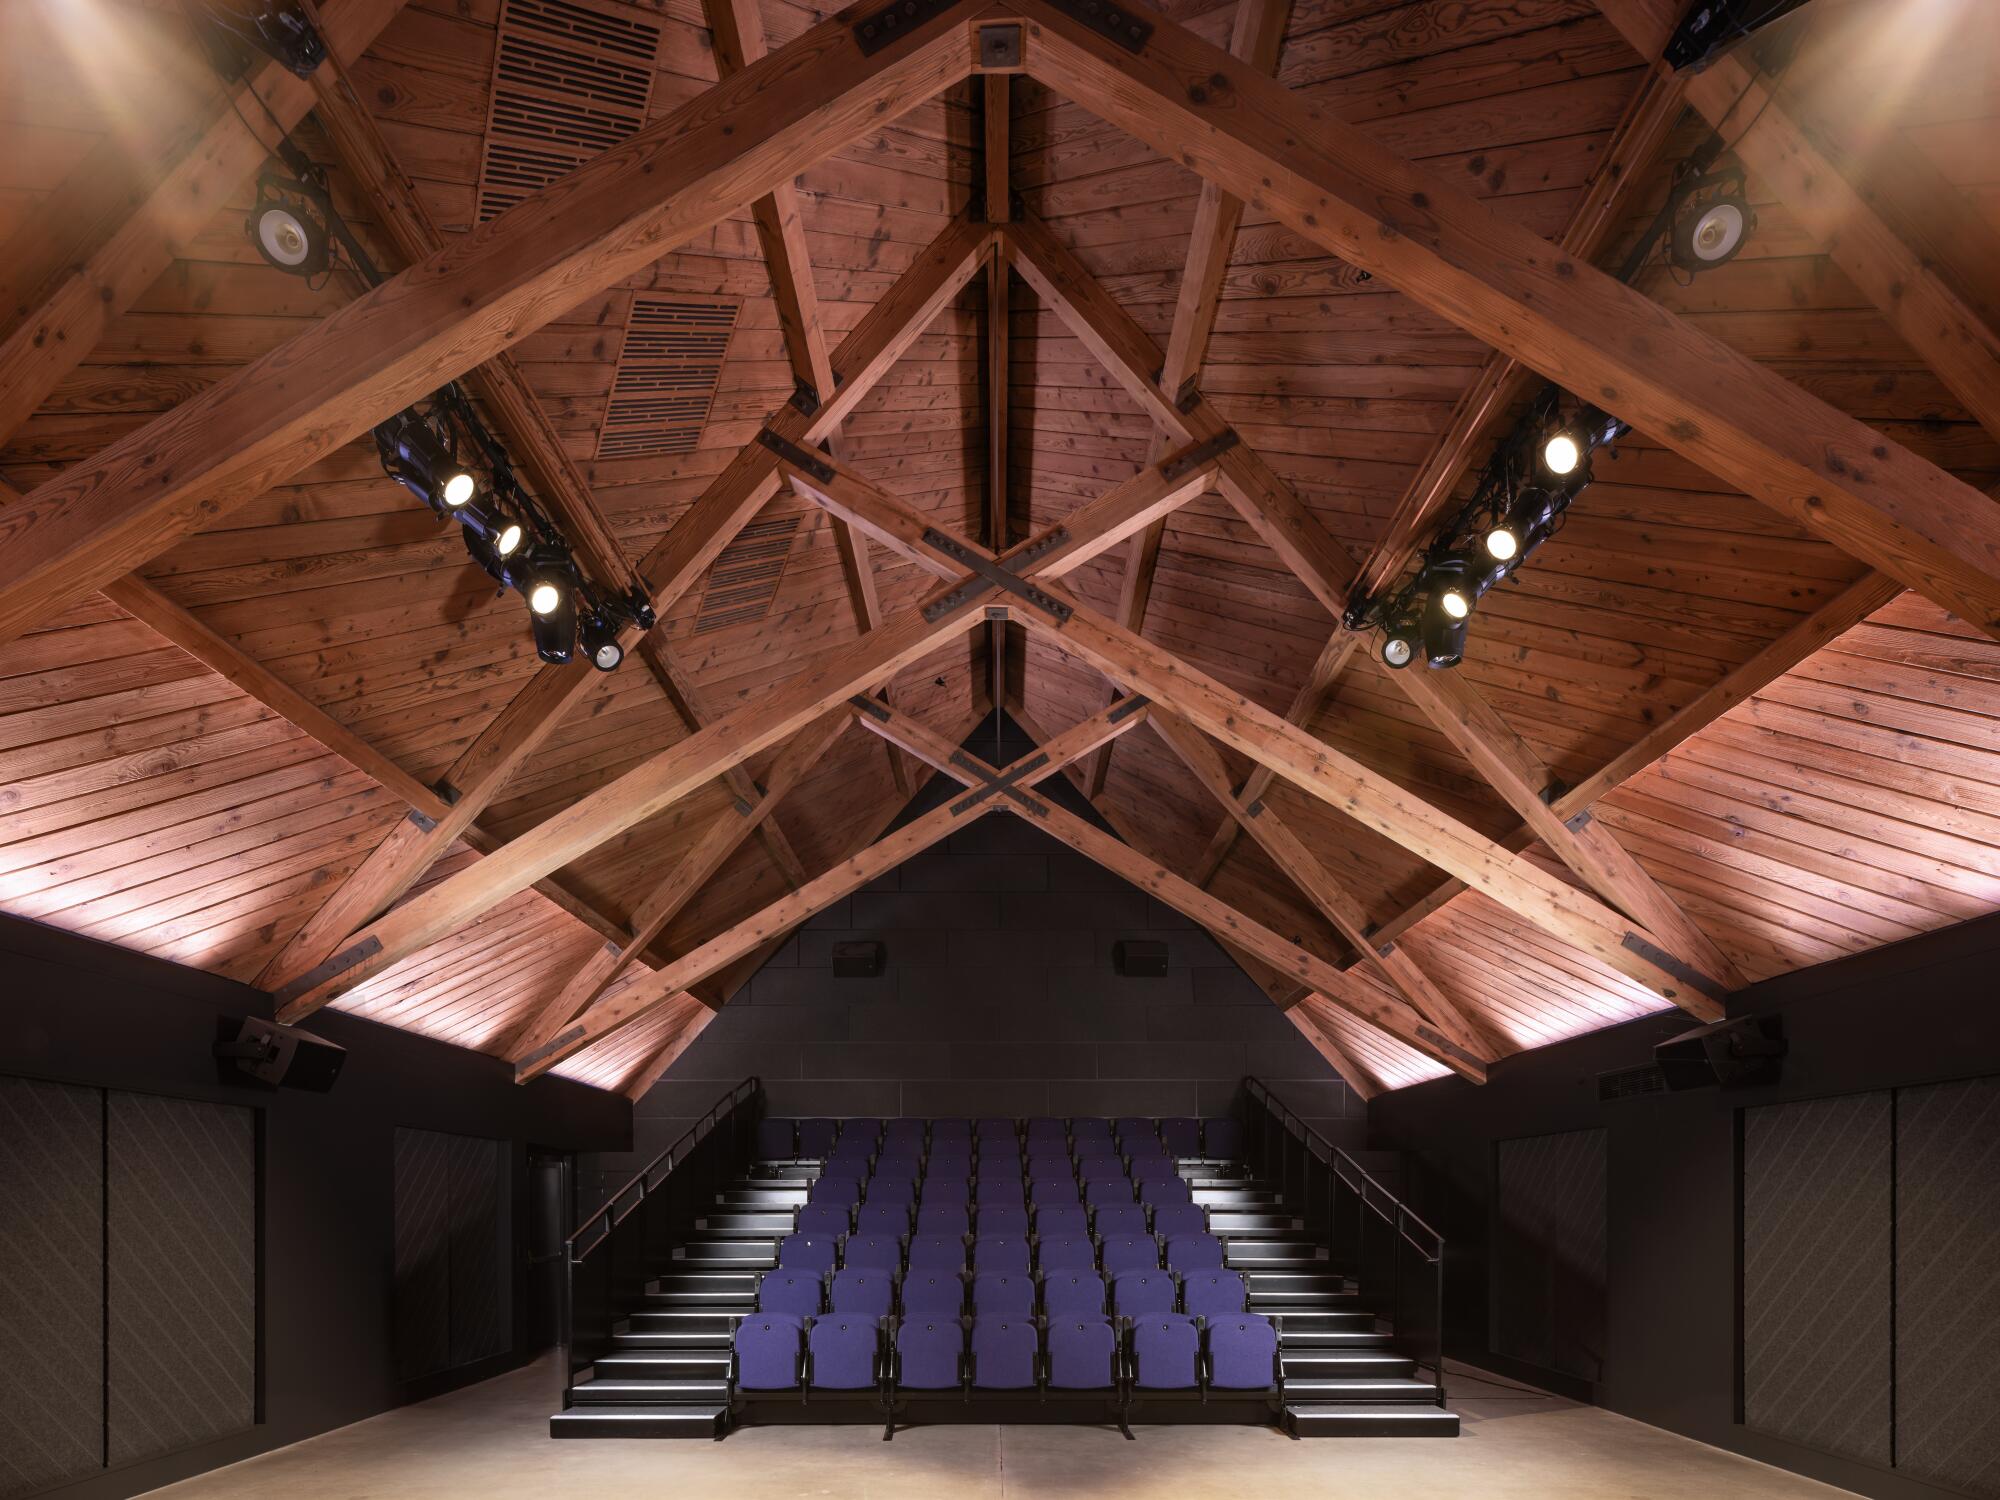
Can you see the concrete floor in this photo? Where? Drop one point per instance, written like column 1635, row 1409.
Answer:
column 490, row 1441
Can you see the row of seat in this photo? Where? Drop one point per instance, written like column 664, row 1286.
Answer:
column 815, row 1139
column 960, row 1190
column 1004, row 1253
column 1161, row 1351
column 1213, row 1292
column 1074, row 1220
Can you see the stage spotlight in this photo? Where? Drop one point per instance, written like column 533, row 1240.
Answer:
column 1527, row 524
column 500, row 533
column 1444, row 635
column 1448, row 582
column 1712, row 226
column 417, row 458
column 289, row 230
column 1561, row 453
column 1399, row 646
column 599, row 639
column 1502, row 544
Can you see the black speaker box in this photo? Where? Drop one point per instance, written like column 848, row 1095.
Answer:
column 1739, row 1053
column 863, row 960
column 262, row 1054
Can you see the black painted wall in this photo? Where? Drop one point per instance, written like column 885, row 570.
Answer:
column 79, row 1012
column 999, row 999
column 1822, row 1190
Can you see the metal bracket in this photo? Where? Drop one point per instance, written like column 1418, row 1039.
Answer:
column 1002, row 785
column 1447, row 1046
column 998, row 574
column 1124, row 708
column 443, row 787
column 998, row 614
column 805, row 400
column 1659, row 958
column 424, row 821
column 803, row 459
column 875, row 708
column 1188, row 397
column 548, row 1047
column 1254, row 808
column 744, row 807
column 1579, row 822
column 1112, row 22
column 1201, row 453
column 318, row 975
column 1000, row 46
column 879, row 30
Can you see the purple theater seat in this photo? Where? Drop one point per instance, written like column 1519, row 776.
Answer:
column 816, row 1137
column 1166, row 1352
column 930, row 1354
column 933, row 1294
column 1005, row 1253
column 1003, row 1353
column 1132, row 1252
column 1047, row 1164
column 787, row 1291
column 846, row 1353
column 1138, row 1292
column 901, row 1167
column 1222, row 1139
column 945, row 1187
column 828, row 1219
column 863, row 1128
column 1073, row 1294
column 811, row 1253
column 994, row 1128
column 1083, row 1354
column 1165, row 1190
column 904, row 1131
column 767, row 1349
column 1242, row 1353
column 1181, row 1136
column 949, row 1159
column 954, row 1128
column 1095, row 1168
column 872, row 1252
column 1194, row 1252
column 1003, row 1219
column 1155, row 1169
column 892, row 1190
column 1054, row 1190
column 892, row 1219
column 862, row 1293
column 1108, row 1192
column 1172, row 1219
column 997, row 1295
column 937, row 1252
column 1214, row 1294
column 942, row 1218
column 1065, row 1254
column 1119, row 1220
column 776, row 1139
column 843, row 1191
column 1063, row 1221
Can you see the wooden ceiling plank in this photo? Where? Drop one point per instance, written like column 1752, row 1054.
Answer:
column 53, row 338
column 1390, row 960
column 655, row 1068
column 1952, row 337
column 1579, row 327
column 612, row 217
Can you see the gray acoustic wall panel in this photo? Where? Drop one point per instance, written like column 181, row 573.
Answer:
column 1948, row 1284
column 453, row 1300
column 51, row 1284
column 1549, row 1252
column 1816, row 1273
column 181, row 1220
column 480, row 1304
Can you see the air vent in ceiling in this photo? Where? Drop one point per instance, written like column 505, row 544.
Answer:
column 1630, row 1083
column 666, row 375
column 569, row 82
column 744, row 580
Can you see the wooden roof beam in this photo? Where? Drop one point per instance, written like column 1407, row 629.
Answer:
column 52, row 338
column 1579, row 327
column 605, row 221
column 1952, row 337
column 668, row 571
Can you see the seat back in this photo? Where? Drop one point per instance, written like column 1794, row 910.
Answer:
column 1109, row 1192
column 1222, row 1139
column 767, row 1347
column 863, row 1128
column 1054, row 1164
column 1003, row 1219
column 1072, row 1294
column 930, row 1353
column 1062, row 1220
column 1003, row 1295
column 1133, row 1128
column 1139, row 1292
column 942, row 1218
column 873, row 1252
column 1065, row 1255
column 1146, row 1169
column 891, row 1190
column 1135, row 1252
column 1166, row 1352
column 1092, row 1168
column 1214, row 1294
column 1005, row 1253
column 1054, row 1190
column 842, row 1192
column 810, row 1253
column 1194, row 1252
column 777, row 1139
column 1165, row 1190
column 827, row 1219
column 794, row 1292
column 1116, row 1219
column 1242, row 1353
column 1083, row 1354
column 1182, row 1137
column 846, row 1353
column 1003, row 1353
column 891, row 1219
column 816, row 1137
column 937, row 1252
column 863, row 1293
column 1171, row 1219
column 933, row 1294
column 945, row 1187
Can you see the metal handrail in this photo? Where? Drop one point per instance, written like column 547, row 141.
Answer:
column 1368, row 1194
column 643, row 1178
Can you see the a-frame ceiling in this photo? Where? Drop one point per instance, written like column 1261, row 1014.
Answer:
column 1847, row 797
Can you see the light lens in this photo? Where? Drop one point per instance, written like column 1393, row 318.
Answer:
column 1718, row 232
column 1397, row 651
column 458, row 490
column 1502, row 544
column 509, row 539
column 543, row 598
column 1560, row 455
column 283, row 237
column 607, row 656
column 1454, row 603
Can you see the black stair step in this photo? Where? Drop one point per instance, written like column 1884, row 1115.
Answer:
column 1269, row 1303
column 1300, row 1325
column 685, row 1341
column 730, row 1225
column 742, row 1282
column 630, row 1390
column 1320, row 1419
column 803, row 1169
column 1352, row 1338
column 680, row 1320
column 690, row 1421
column 1213, row 1198
column 758, row 1252
column 730, row 1301
column 1298, row 1281
column 1227, row 1221
column 1343, row 1389
column 747, row 1199
column 665, row 1364
column 1304, row 1364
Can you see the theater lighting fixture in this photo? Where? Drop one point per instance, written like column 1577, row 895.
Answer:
column 599, row 639
column 1711, row 227
column 289, row 229
column 1561, row 453
column 1444, row 635
column 1399, row 645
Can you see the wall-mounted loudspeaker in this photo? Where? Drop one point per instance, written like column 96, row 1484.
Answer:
column 859, row 960
column 1739, row 1053
column 1139, row 959
column 262, row 1054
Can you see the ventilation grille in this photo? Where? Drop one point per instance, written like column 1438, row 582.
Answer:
column 666, row 376
column 1630, row 1083
column 569, row 82
column 744, row 580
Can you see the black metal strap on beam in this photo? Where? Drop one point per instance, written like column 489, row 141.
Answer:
column 1193, row 458
column 803, row 459
column 1113, row 22
column 1002, row 785
column 805, row 399
column 424, row 821
column 318, row 975
column 999, row 574
column 1124, row 708
column 875, row 708
column 1659, row 958
column 555, row 1044
column 873, row 33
